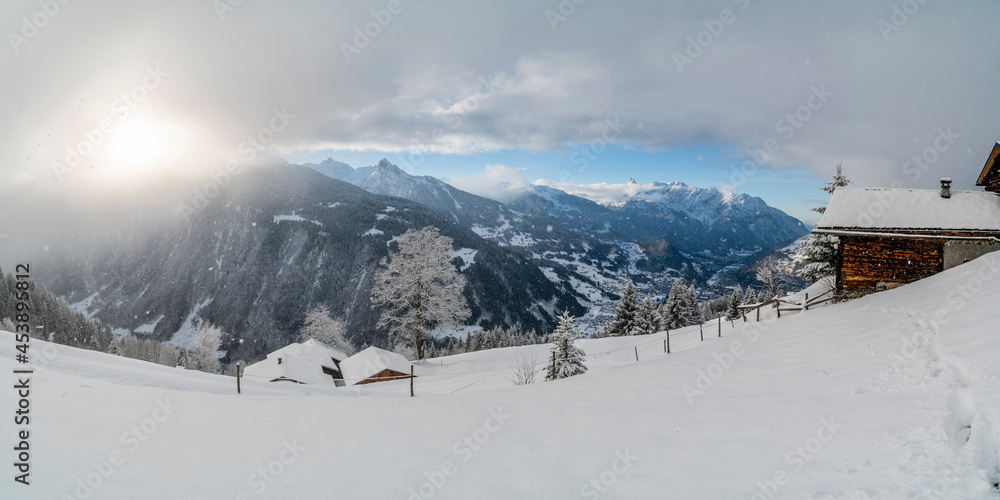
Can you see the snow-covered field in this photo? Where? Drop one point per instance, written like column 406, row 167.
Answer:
column 867, row 399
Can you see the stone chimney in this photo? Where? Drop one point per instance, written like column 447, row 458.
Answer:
column 946, row 187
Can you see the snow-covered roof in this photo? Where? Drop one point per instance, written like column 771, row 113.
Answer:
column 879, row 208
column 371, row 361
column 991, row 163
column 299, row 362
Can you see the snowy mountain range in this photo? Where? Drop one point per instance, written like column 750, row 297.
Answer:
column 277, row 241
column 601, row 235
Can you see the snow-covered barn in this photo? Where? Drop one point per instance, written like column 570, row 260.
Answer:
column 375, row 365
column 310, row 362
column 890, row 237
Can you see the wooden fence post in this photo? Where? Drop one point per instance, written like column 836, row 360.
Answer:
column 701, row 330
column 720, row 327
column 668, row 341
column 238, row 379
column 553, row 365
column 637, row 353
column 758, row 313
column 805, row 303
column 411, row 381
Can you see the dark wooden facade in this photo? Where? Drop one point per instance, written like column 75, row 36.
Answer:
column 384, row 376
column 990, row 176
column 868, row 261
column 865, row 263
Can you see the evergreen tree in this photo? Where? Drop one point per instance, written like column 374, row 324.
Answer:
column 692, row 315
column 622, row 324
column 113, row 348
column 819, row 251
column 568, row 358
column 183, row 359
column 735, row 300
column 645, row 319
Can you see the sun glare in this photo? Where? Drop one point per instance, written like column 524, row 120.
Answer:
column 137, row 143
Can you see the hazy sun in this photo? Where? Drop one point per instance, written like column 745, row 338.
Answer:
column 137, row 142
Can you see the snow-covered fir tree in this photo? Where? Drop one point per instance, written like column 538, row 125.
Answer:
column 646, row 321
column 622, row 324
column 320, row 326
column 419, row 288
column 819, row 251
column 735, row 300
column 567, row 359
column 113, row 348
column 681, row 306
column 183, row 358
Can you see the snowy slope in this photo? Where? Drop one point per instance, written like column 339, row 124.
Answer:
column 858, row 400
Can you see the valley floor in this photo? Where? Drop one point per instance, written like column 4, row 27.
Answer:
column 896, row 395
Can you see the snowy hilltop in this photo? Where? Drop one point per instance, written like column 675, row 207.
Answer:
column 893, row 395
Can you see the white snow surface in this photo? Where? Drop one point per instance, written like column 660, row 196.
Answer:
column 468, row 256
column 879, row 208
column 864, row 399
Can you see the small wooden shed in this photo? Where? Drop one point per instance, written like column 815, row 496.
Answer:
column 889, row 237
column 375, row 365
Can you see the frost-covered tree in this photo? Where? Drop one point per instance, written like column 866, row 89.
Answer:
column 770, row 274
column 320, row 326
column 568, row 359
column 819, row 251
column 622, row 324
column 735, row 300
column 113, row 348
column 645, row 319
column 419, row 288
column 183, row 358
column 204, row 356
column 681, row 306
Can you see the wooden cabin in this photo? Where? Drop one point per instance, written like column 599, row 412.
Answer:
column 375, row 365
column 889, row 237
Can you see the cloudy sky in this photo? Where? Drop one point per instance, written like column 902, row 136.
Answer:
column 745, row 95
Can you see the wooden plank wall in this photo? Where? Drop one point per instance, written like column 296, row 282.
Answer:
column 383, row 376
column 865, row 261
